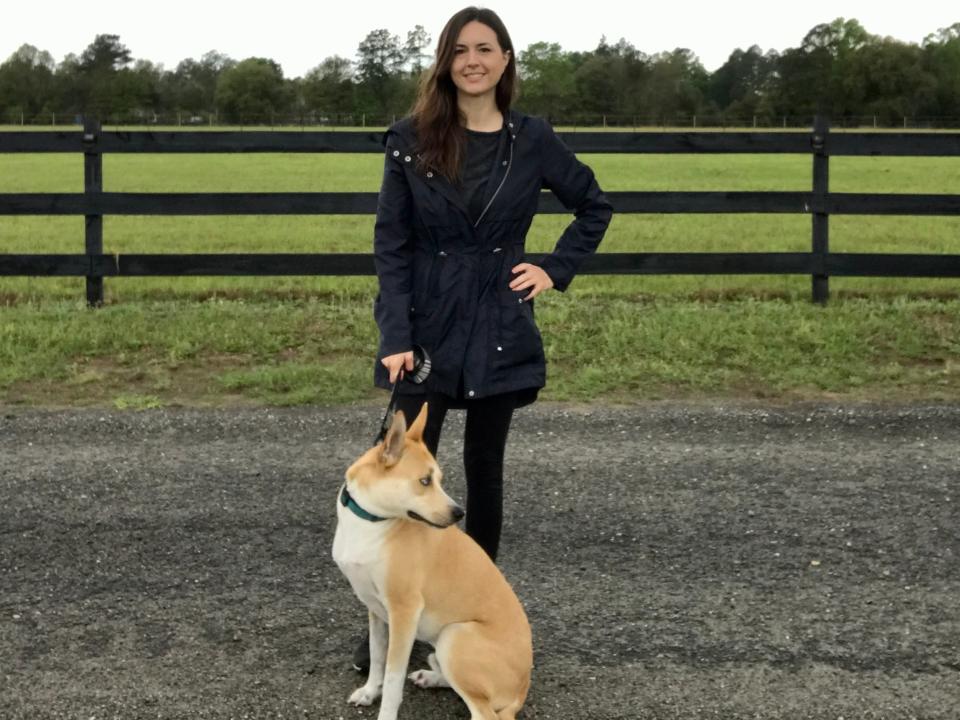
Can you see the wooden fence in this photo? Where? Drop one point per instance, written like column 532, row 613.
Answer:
column 819, row 203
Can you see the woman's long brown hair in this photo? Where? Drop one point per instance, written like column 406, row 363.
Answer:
column 441, row 140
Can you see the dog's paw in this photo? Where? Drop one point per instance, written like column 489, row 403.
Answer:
column 428, row 679
column 364, row 695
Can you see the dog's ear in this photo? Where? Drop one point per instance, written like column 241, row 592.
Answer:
column 415, row 432
column 393, row 443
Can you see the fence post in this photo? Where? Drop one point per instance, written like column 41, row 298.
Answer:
column 92, row 186
column 821, row 218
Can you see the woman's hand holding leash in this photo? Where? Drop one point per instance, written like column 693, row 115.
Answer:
column 413, row 366
column 530, row 276
column 396, row 364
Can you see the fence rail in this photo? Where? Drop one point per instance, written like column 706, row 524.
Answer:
column 229, row 264
column 819, row 203
column 359, row 141
column 356, row 203
column 303, row 120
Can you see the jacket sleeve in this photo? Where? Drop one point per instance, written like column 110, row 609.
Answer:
column 576, row 187
column 393, row 257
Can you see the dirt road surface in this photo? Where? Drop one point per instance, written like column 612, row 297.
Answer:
column 704, row 561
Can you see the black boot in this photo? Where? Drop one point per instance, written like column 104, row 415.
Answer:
column 361, row 656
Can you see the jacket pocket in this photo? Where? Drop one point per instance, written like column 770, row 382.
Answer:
column 436, row 274
column 518, row 340
column 434, row 322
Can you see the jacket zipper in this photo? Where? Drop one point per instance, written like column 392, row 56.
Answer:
column 499, row 187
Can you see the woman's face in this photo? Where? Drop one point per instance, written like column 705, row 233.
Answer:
column 478, row 60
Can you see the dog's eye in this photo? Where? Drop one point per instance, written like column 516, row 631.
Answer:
column 426, row 480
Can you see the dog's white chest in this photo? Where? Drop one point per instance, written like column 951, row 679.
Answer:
column 357, row 550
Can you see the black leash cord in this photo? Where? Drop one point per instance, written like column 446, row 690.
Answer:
column 419, row 374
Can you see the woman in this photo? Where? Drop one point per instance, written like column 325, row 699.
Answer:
column 461, row 183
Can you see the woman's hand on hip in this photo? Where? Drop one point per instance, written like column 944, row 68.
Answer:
column 396, row 364
column 530, row 276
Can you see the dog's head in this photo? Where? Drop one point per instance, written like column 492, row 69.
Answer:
column 399, row 477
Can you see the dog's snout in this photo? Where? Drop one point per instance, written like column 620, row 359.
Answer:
column 457, row 512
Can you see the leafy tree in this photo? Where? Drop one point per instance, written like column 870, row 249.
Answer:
column 141, row 88
column 192, row 87
column 328, row 88
column 839, row 69
column 414, row 56
column 891, row 79
column 941, row 61
column 106, row 53
column 379, row 65
column 253, row 90
column 741, row 85
column 598, row 89
column 817, row 76
column 95, row 76
column 547, row 74
column 677, row 84
column 26, row 83
column 609, row 80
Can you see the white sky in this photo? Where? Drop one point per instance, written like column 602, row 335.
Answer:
column 299, row 35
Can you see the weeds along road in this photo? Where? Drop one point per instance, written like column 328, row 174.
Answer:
column 675, row 561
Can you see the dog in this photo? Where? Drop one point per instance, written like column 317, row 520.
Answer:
column 423, row 578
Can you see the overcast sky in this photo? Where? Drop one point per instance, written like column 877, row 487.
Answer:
column 299, row 35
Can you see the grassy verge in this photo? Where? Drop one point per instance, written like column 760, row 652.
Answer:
column 221, row 341
column 319, row 350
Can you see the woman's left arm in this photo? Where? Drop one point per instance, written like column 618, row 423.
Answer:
column 576, row 187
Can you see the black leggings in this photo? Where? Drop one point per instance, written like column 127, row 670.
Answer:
column 484, row 442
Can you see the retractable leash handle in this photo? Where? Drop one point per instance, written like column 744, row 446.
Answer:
column 420, row 372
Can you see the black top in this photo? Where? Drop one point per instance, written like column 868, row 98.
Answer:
column 481, row 154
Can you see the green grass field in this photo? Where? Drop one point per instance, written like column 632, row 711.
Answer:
column 301, row 339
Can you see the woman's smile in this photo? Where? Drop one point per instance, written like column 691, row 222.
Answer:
column 478, row 61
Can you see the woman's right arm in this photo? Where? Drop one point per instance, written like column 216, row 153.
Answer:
column 393, row 258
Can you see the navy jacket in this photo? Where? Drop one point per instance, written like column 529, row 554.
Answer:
column 444, row 281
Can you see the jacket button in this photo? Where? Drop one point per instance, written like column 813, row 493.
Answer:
column 429, row 174
column 407, row 158
column 504, row 163
column 499, row 348
column 396, row 153
column 471, row 393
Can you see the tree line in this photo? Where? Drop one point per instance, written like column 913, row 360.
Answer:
column 838, row 69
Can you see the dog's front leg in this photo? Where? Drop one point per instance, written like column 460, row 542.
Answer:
column 378, row 654
column 403, row 630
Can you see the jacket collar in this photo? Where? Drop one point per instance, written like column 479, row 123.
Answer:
column 512, row 124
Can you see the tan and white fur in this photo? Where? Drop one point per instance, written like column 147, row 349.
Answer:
column 422, row 578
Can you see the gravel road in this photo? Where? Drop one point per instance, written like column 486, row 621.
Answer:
column 701, row 561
